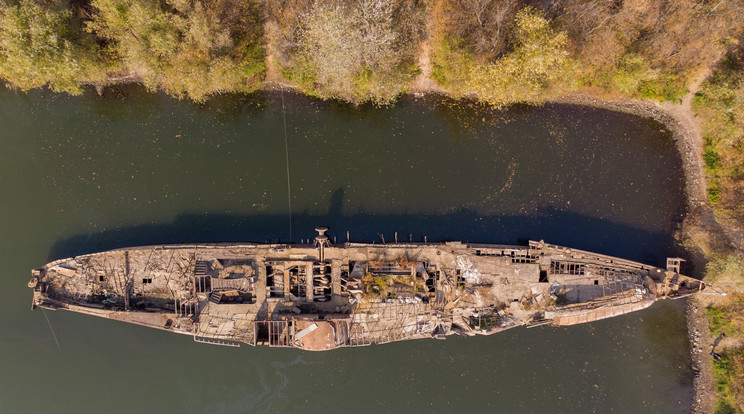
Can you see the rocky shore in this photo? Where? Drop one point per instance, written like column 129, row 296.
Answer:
column 701, row 345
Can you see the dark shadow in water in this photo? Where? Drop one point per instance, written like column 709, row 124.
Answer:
column 123, row 102
column 559, row 227
column 134, row 101
column 234, row 108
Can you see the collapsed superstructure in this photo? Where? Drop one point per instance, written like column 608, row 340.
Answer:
column 321, row 296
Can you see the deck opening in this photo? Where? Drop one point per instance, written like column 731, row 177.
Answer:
column 543, row 276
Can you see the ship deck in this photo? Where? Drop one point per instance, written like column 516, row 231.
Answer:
column 321, row 296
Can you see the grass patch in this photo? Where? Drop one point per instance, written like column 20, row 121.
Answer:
column 668, row 87
column 716, row 319
column 728, row 319
column 720, row 107
column 729, row 372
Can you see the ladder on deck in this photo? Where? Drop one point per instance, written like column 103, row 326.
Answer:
column 201, row 267
column 215, row 297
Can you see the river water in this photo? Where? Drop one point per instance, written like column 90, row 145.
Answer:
column 85, row 174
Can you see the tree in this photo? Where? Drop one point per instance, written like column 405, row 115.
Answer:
column 484, row 24
column 538, row 62
column 355, row 51
column 43, row 44
column 180, row 46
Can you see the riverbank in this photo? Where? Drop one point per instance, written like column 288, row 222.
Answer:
column 686, row 132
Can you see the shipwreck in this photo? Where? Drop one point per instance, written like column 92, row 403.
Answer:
column 321, row 296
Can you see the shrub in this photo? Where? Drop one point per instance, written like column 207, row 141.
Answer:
column 451, row 67
column 667, row 87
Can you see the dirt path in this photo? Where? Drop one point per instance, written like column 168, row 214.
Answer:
column 272, row 72
column 684, row 115
column 274, row 79
column 698, row 331
column 424, row 83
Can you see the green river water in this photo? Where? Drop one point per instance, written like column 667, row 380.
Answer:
column 85, row 174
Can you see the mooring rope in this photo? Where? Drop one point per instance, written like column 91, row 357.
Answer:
column 52, row 329
column 286, row 153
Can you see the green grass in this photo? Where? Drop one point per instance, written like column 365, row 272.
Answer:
column 668, row 87
column 718, row 321
column 724, row 407
column 729, row 371
column 720, row 108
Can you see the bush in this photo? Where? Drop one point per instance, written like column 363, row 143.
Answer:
column 668, row 87
column 451, row 68
column 632, row 72
column 712, row 160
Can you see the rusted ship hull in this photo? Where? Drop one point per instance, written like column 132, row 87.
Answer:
column 321, row 296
